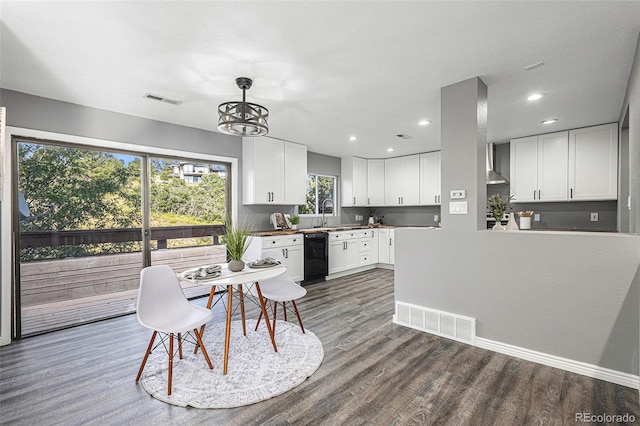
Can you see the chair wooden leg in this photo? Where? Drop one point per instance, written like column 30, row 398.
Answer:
column 204, row 351
column 244, row 327
column 266, row 316
column 284, row 308
column 295, row 308
column 170, row 362
column 258, row 322
column 273, row 327
column 180, row 344
column 146, row 355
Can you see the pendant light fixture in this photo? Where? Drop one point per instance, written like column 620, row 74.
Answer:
column 243, row 118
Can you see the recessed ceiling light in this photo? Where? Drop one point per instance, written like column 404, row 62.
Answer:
column 389, row 149
column 549, row 121
column 353, row 138
column 535, row 96
column 424, row 122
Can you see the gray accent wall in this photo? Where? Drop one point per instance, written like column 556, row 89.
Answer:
column 569, row 294
column 631, row 106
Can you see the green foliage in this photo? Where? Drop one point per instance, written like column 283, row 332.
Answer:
column 325, row 190
column 497, row 206
column 71, row 188
column 237, row 239
column 295, row 220
column 197, row 200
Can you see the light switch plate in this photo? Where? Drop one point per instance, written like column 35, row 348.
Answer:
column 594, row 217
column 536, row 217
column 457, row 207
column 458, row 193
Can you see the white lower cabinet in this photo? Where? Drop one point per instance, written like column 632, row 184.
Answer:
column 344, row 251
column 386, row 246
column 291, row 247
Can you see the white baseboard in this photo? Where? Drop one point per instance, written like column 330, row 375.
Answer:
column 589, row 370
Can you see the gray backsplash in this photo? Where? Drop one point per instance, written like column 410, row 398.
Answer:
column 400, row 216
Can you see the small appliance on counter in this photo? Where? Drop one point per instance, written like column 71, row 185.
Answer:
column 280, row 221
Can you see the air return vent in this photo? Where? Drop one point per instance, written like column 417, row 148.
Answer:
column 162, row 99
column 452, row 326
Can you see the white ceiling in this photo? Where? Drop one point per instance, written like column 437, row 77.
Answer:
column 328, row 70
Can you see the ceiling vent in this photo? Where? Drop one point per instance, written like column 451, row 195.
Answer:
column 162, row 99
column 403, row 136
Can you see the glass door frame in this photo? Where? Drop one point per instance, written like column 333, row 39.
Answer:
column 9, row 232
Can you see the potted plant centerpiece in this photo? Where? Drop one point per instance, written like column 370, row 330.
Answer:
column 295, row 221
column 497, row 207
column 371, row 211
column 237, row 239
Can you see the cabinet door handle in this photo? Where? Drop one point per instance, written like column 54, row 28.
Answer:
column 287, row 256
column 368, row 200
column 389, row 241
column 539, row 197
column 435, row 198
column 534, row 194
column 572, row 193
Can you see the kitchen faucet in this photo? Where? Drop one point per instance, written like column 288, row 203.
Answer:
column 324, row 208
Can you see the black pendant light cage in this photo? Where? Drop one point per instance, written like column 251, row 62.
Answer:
column 243, row 118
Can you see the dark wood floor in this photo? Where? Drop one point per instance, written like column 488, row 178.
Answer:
column 374, row 373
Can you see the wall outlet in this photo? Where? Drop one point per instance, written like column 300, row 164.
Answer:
column 436, row 217
column 594, row 217
column 536, row 217
column 359, row 217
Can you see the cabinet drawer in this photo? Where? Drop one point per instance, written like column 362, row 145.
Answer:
column 343, row 235
column 294, row 240
column 281, row 241
column 365, row 233
column 365, row 245
column 365, row 259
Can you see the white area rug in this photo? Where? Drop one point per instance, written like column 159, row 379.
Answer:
column 255, row 371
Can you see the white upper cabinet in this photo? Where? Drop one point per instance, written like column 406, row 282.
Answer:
column 354, row 181
column 375, row 182
column 266, row 164
column 593, row 163
column 402, row 180
column 295, row 173
column 539, row 168
column 430, row 178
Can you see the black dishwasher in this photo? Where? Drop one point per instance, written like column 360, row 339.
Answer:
column 316, row 257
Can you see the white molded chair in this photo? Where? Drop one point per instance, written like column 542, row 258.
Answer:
column 281, row 289
column 163, row 308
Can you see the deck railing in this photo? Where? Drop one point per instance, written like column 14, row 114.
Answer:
column 56, row 293
column 121, row 235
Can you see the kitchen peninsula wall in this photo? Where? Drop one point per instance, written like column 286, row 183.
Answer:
column 557, row 215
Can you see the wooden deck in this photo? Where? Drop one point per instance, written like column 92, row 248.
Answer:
column 62, row 293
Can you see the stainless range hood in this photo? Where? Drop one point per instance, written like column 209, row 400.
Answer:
column 493, row 177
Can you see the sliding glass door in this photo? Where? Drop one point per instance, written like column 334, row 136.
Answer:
column 88, row 220
column 188, row 207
